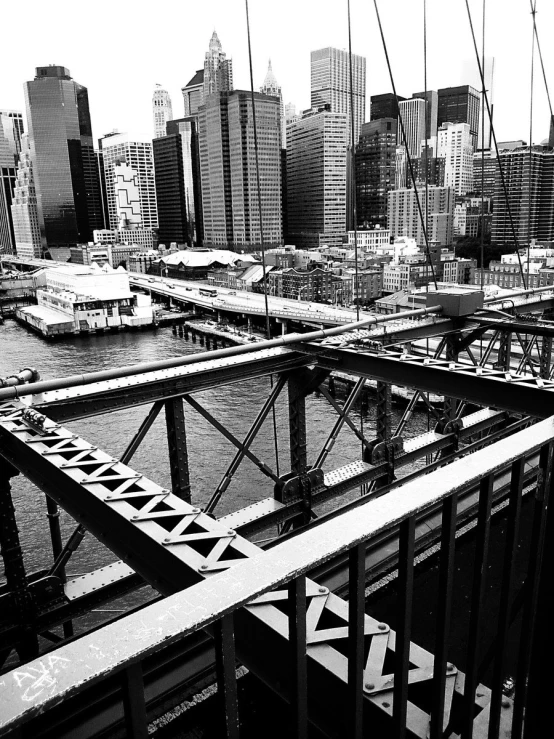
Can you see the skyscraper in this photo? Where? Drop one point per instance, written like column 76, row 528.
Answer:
column 120, row 148
column 384, row 106
column 412, row 113
column 272, row 87
column 316, row 178
column 177, row 172
column 162, row 111
column 375, row 170
column 216, row 76
column 11, row 122
column 28, row 242
column 330, row 84
column 228, row 169
column 64, row 164
column 530, row 196
column 7, row 184
column 460, row 105
column 218, row 70
column 455, row 147
column 193, row 93
column 432, row 99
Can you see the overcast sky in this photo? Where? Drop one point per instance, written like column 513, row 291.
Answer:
column 119, row 49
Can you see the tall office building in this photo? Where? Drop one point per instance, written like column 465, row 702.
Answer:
column 484, row 172
column 384, row 106
column 7, row 185
column 529, row 178
column 375, row 171
column 11, row 123
column 272, row 87
column 228, row 170
column 28, row 242
column 330, row 85
column 412, row 113
column 218, row 70
column 193, row 93
column 215, row 76
column 177, row 173
column 455, row 147
column 64, row 164
column 162, row 111
column 316, row 178
column 432, row 98
column 404, row 219
column 460, row 105
column 120, row 148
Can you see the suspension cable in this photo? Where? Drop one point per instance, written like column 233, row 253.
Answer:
column 426, row 128
column 404, row 139
column 530, row 182
column 533, row 12
column 259, row 191
column 483, row 156
column 352, row 184
column 500, row 168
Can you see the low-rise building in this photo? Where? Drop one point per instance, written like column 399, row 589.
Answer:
column 313, row 285
column 86, row 300
column 370, row 239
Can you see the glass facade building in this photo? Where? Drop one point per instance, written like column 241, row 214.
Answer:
column 64, row 165
column 228, row 170
column 460, row 105
column 384, row 106
column 316, row 179
column 375, row 171
column 177, row 172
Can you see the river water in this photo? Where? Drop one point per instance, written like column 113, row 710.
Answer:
column 235, row 406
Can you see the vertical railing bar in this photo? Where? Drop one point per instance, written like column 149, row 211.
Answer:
column 225, row 665
column 403, row 631
column 356, row 652
column 444, row 609
column 134, row 703
column 510, row 552
column 299, row 665
column 477, row 598
column 529, row 608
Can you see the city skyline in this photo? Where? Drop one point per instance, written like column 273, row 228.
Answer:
column 121, row 85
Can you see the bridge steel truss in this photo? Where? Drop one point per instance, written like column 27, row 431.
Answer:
column 164, row 540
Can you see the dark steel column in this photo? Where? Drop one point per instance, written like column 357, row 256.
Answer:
column 451, row 352
column 546, row 357
column 14, row 567
column 177, row 443
column 297, row 425
column 504, row 351
column 383, row 412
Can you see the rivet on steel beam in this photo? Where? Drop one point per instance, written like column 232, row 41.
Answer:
column 196, row 510
column 203, row 567
column 369, row 686
column 386, row 704
column 506, row 703
column 322, row 590
column 449, row 666
column 382, row 627
column 134, row 518
column 231, row 532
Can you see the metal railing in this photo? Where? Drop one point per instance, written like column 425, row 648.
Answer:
column 118, row 651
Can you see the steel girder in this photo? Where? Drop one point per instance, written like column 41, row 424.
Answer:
column 174, row 545
column 111, row 395
column 499, row 389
